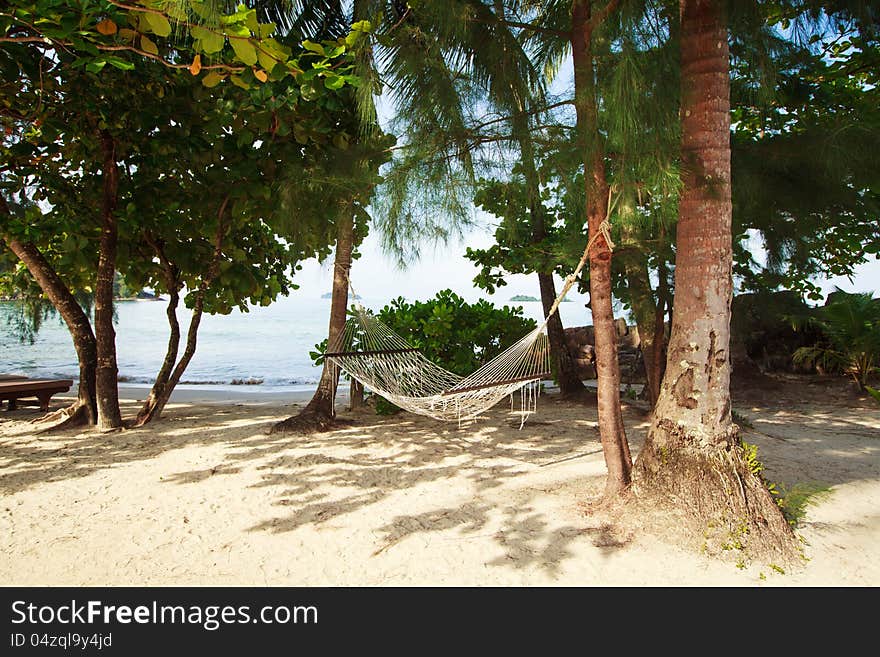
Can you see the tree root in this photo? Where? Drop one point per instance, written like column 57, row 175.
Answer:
column 75, row 415
column 716, row 489
column 308, row 422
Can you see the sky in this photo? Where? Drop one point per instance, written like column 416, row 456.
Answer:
column 376, row 276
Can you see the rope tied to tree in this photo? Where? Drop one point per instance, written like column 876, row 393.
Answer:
column 603, row 231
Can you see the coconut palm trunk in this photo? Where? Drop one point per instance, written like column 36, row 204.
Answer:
column 693, row 452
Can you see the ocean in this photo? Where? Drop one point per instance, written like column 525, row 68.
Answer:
column 269, row 345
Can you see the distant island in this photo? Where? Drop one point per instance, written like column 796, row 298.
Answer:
column 329, row 295
column 523, row 297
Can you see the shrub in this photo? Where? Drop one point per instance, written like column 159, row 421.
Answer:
column 454, row 334
column 851, row 325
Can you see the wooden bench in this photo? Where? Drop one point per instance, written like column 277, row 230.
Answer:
column 42, row 389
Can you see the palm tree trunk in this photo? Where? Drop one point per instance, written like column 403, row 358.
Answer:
column 320, row 412
column 693, row 451
column 106, row 384
column 611, row 429
column 85, row 409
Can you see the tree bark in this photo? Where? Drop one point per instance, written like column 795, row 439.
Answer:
column 85, row 409
column 611, row 429
column 168, row 378
column 107, row 388
column 153, row 405
column 570, row 383
column 319, row 413
column 693, row 452
column 644, row 309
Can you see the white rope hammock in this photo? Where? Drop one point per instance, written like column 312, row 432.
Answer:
column 384, row 362
column 373, row 354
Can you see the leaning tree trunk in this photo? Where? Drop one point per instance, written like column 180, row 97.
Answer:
column 154, row 403
column 319, row 413
column 85, row 409
column 611, row 430
column 693, row 454
column 106, row 384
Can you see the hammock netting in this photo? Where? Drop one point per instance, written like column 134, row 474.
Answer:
column 372, row 353
column 380, row 359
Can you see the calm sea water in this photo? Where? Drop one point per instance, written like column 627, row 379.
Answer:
column 270, row 344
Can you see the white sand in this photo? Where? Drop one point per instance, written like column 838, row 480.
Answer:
column 207, row 497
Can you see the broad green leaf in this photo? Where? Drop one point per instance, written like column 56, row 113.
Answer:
column 212, row 79
column 121, row 64
column 245, row 51
column 334, row 82
column 362, row 26
column 238, row 82
column 159, row 25
column 313, row 47
column 211, row 41
column 148, row 46
column 95, row 67
column 266, row 30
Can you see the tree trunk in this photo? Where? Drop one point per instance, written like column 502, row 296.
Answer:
column 106, row 384
column 167, row 379
column 570, row 383
column 648, row 313
column 355, row 395
column 85, row 409
column 319, row 413
column 153, row 405
column 693, row 453
column 611, row 430
column 644, row 310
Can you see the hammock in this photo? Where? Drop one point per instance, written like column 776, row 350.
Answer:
column 370, row 352
column 373, row 354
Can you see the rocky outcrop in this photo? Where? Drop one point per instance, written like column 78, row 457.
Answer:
column 580, row 341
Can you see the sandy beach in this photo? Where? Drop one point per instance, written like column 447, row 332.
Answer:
column 207, row 497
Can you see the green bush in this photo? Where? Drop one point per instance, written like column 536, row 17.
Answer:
column 851, row 325
column 454, row 334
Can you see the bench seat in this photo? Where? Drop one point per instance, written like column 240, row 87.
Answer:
column 42, row 389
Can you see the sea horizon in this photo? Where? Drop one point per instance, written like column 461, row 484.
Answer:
column 265, row 349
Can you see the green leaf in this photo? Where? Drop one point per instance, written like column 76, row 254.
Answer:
column 121, row 64
column 95, row 66
column 313, row 47
column 210, row 41
column 874, row 393
column 212, row 79
column 334, row 82
column 158, row 24
column 362, row 26
column 238, row 82
column 148, row 46
column 245, row 51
